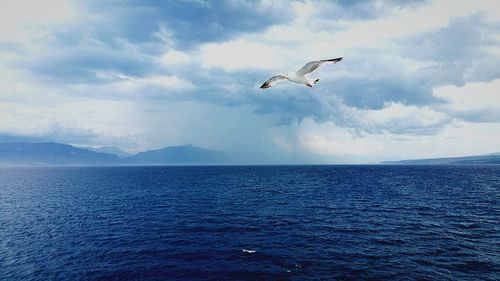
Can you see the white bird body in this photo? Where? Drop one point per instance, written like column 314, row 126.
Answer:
column 299, row 77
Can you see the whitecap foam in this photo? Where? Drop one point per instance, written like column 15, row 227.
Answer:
column 248, row 251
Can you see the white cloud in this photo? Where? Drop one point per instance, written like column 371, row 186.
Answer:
column 342, row 144
column 175, row 58
column 311, row 36
column 480, row 101
column 166, row 36
column 80, row 121
column 126, row 84
column 403, row 118
column 18, row 86
column 123, row 106
column 165, row 81
column 241, row 54
column 27, row 21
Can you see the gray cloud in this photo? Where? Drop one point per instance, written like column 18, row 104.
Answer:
column 456, row 55
column 458, row 51
column 129, row 37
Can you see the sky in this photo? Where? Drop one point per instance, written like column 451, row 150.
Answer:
column 419, row 79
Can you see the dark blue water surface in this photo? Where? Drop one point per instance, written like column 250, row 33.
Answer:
column 203, row 223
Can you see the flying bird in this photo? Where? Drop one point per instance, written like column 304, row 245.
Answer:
column 300, row 76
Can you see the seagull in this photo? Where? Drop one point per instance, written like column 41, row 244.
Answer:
column 300, row 76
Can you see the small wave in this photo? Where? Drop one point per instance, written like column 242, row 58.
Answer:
column 248, row 251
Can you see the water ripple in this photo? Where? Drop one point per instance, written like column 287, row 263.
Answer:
column 250, row 223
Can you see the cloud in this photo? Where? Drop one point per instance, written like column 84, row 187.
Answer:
column 400, row 119
column 176, row 72
column 341, row 144
column 23, row 21
column 240, row 54
column 190, row 22
column 75, row 121
column 397, row 59
column 125, row 83
column 474, row 102
column 174, row 57
column 460, row 52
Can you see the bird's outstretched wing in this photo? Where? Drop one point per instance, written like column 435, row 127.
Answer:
column 312, row 66
column 272, row 80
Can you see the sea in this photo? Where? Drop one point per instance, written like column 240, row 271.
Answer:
column 358, row 222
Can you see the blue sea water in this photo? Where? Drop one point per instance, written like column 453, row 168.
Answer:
column 250, row 223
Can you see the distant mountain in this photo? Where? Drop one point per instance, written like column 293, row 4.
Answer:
column 493, row 158
column 185, row 154
column 39, row 154
column 110, row 150
column 18, row 153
